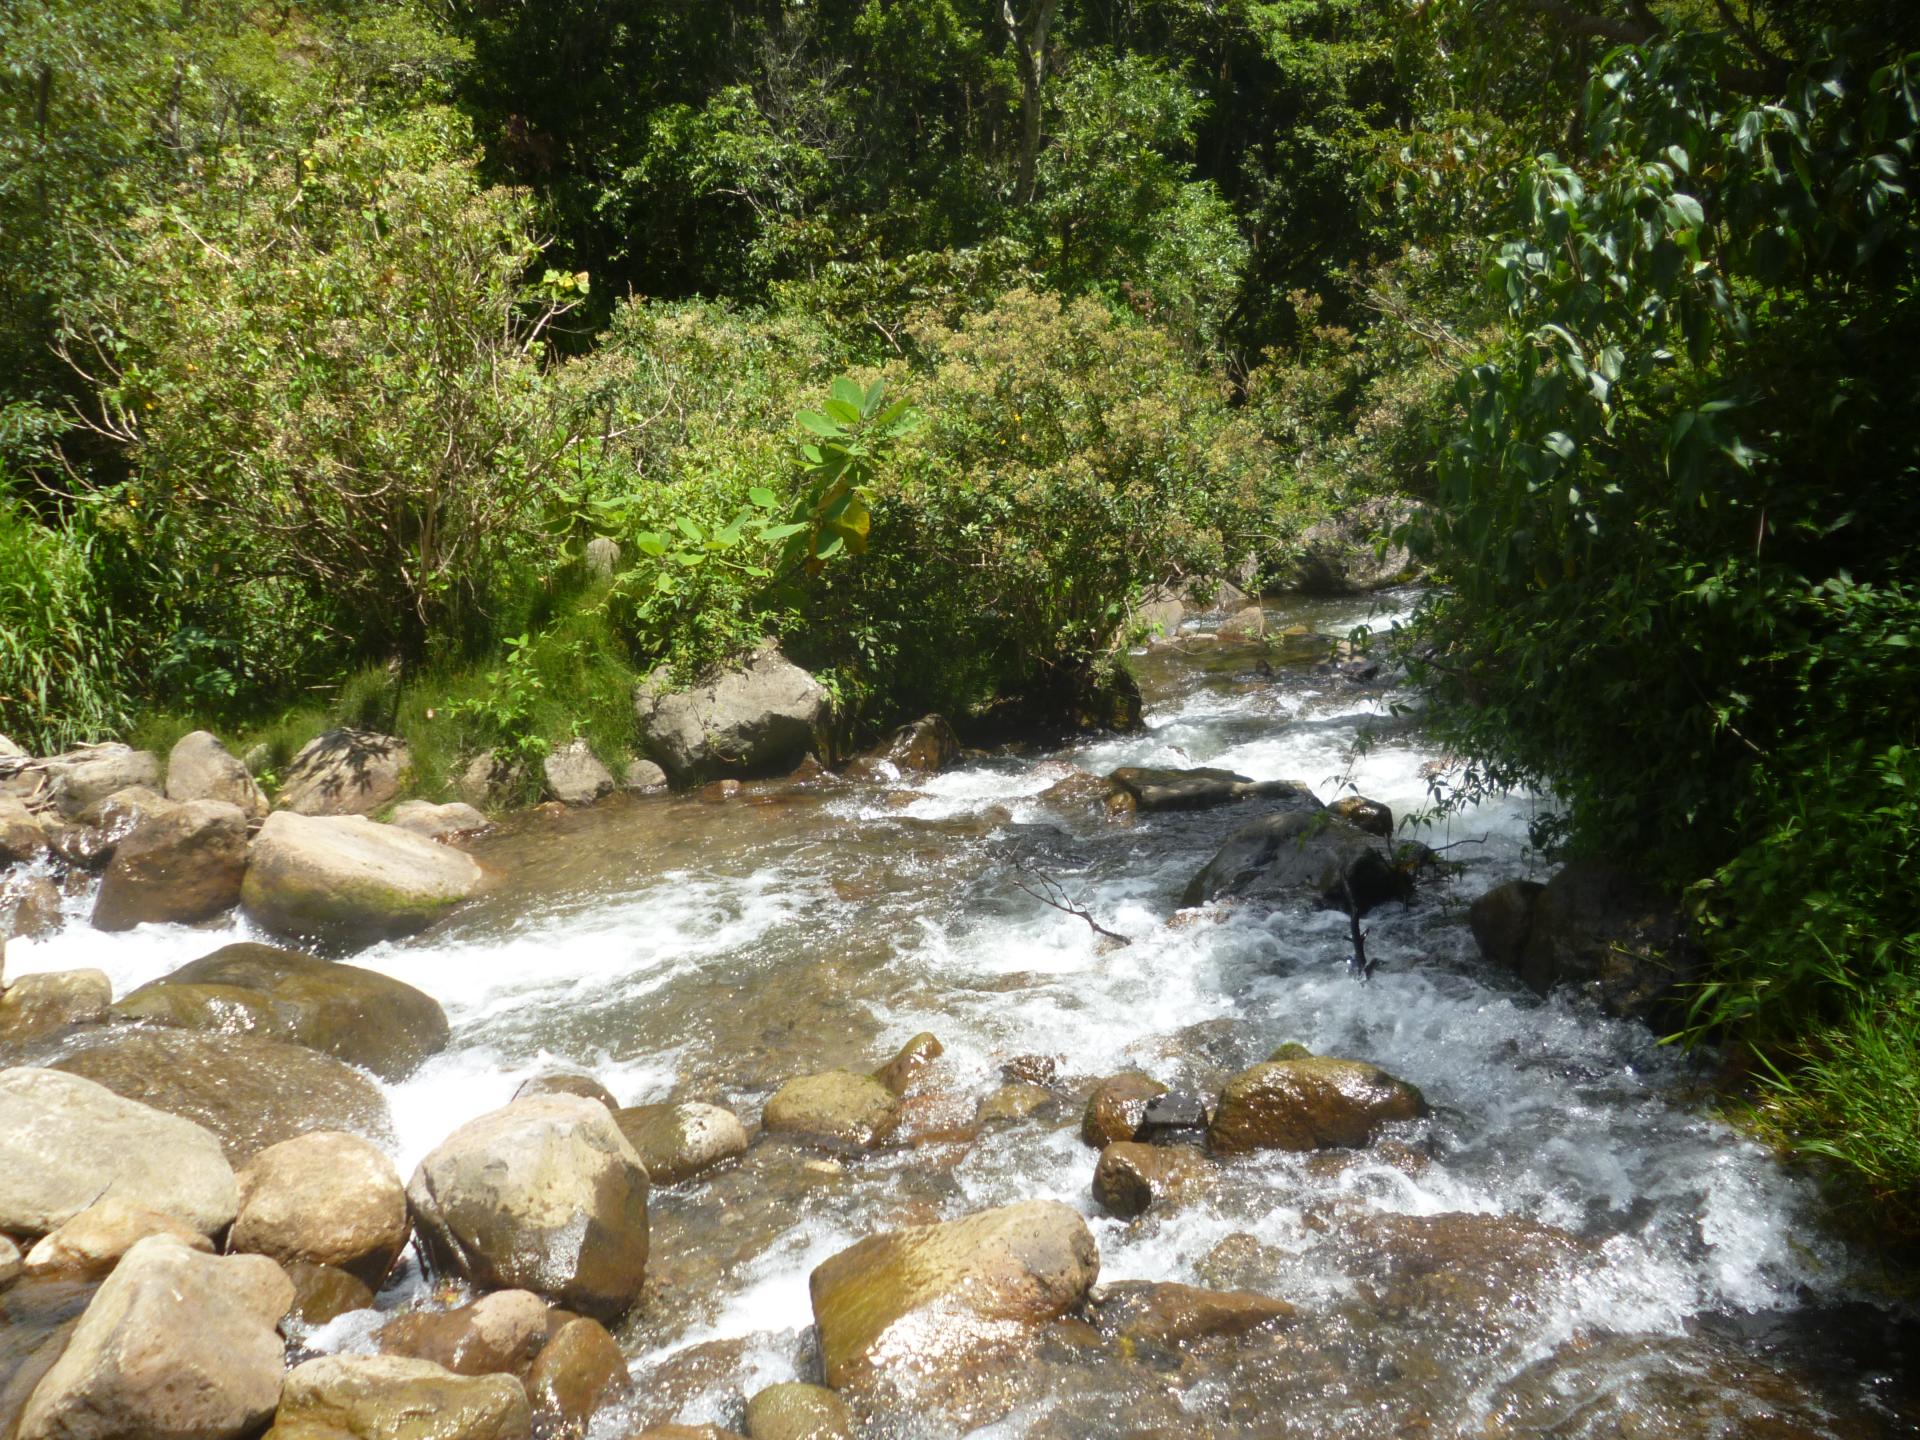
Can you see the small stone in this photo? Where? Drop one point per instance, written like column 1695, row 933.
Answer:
column 644, row 776
column 1372, row 816
column 92, row 1242
column 1015, row 1101
column 575, row 775
column 1117, row 1106
column 795, row 1411
column 1131, row 1177
column 837, row 1108
column 578, row 1372
column 566, row 1082
column 1173, row 1117
column 498, row 1334
column 899, row 1073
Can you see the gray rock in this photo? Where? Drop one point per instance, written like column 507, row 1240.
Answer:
column 1301, row 855
column 324, row 1197
column 1247, row 623
column 545, row 1195
column 1353, row 552
column 343, row 880
column 643, row 775
column 179, row 868
column 602, row 557
column 22, row 837
column 1160, row 613
column 1502, row 919
column 575, row 775
column 1154, row 788
column 386, row 1397
column 436, row 822
column 174, row 1344
column 66, row 1142
column 760, row 717
column 81, row 777
column 677, row 1142
column 488, row 780
column 29, row 907
column 199, row 767
column 345, row 772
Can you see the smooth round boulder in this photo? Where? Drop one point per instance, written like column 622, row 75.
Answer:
column 1016, row 1100
column 437, row 822
column 1309, row 1104
column 327, row 1198
column 174, row 1344
column 677, row 1142
column 345, row 772
column 793, row 1410
column 498, row 1334
column 199, row 767
column 353, row 1014
column 923, row 1298
column 1118, row 1107
column 837, row 1109
column 250, row 1093
column 545, row 1195
column 67, row 1142
column 175, row 868
column 387, row 1397
column 93, row 1242
column 345, row 881
column 579, row 1371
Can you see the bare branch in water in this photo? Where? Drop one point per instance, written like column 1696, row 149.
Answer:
column 1049, row 892
column 1437, row 849
column 1362, row 966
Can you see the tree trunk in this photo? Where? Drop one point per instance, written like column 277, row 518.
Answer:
column 1030, row 47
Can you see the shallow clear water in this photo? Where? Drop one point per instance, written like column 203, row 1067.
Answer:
column 1571, row 1245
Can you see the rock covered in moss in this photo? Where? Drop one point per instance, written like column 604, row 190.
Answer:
column 837, row 1108
column 343, row 880
column 386, row 1397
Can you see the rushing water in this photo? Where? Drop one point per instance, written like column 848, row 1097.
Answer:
column 1572, row 1244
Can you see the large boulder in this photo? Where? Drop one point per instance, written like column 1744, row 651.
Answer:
column 199, row 767
column 344, row 880
column 81, row 778
column 575, row 775
column 1604, row 931
column 327, row 1198
column 93, row 1242
column 759, row 717
column 250, row 1093
column 356, row 1015
column 1155, row 788
column 176, row 1345
column 179, row 867
column 545, row 1195
column 345, row 772
column 1353, row 552
column 385, row 1397
column 1312, row 1103
column 677, row 1142
column 1301, row 855
column 66, row 1142
column 1502, row 920
column 838, row 1109
column 926, row 1296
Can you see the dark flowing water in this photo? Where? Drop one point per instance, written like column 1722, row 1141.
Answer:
column 1571, row 1245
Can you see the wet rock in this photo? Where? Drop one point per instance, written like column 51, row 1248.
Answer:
column 795, row 1411
column 1458, row 1266
column 1014, row 1101
column 1033, row 1069
column 22, row 837
column 175, row 1343
column 899, row 1073
column 1155, row 789
column 677, row 1142
column 686, row 1432
column 1602, row 930
column 344, row 880
column 356, row 1015
column 1239, row 1261
column 1249, row 623
column 1168, row 1315
column 322, row 1294
column 758, row 717
column 644, row 776
column 1372, row 816
column 29, row 907
column 437, row 822
column 498, row 1334
column 199, row 767
column 66, row 1142
column 176, row 868
column 345, row 772
column 922, row 1298
column 579, row 1371
column 925, row 747
column 1309, row 1104
column 1174, row 1118
column 1117, row 1107
column 81, row 777
column 575, row 775
column 1131, row 1177
column 717, row 791
column 545, row 1194
column 250, row 1093
column 838, row 1109
column 39, row 1005
column 387, row 1397
column 566, row 1082
column 93, row 1242
column 1084, row 793
column 1299, row 855
column 324, row 1197
column 1501, row 920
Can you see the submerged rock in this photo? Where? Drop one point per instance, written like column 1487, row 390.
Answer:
column 250, row 1093
column 1309, row 1104
column 758, row 717
column 545, row 1195
column 345, row 772
column 677, row 1142
column 386, row 1397
column 1117, row 1108
column 327, row 1198
column 1154, row 789
column 66, row 1142
column 199, row 767
column 1168, row 1315
column 838, row 1108
column 921, row 1299
column 43, row 1004
column 352, row 1014
column 175, row 1343
column 1300, row 855
column 347, row 881
column 179, row 867
column 322, row 1293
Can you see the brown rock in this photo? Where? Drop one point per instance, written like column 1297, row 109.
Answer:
column 1130, row 1177
column 177, row 868
column 437, row 822
column 1168, row 1315
column 578, row 1371
column 566, row 1082
column 795, row 1411
column 1249, row 623
column 30, row 907
column 321, row 1293
column 1117, row 1106
column 1014, row 1101
column 201, row 768
column 387, row 1397
column 677, row 1142
column 36, row 1006
column 1372, row 816
column 92, row 1242
column 324, row 1197
column 899, row 1073
column 1309, row 1105
column 1599, row 928
column 498, row 1334
column 837, row 1109
column 685, row 1432
column 22, row 837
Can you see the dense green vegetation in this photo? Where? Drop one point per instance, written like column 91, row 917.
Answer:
column 927, row 334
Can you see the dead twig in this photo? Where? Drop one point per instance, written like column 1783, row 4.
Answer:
column 1049, row 892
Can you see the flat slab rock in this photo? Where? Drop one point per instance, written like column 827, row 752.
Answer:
column 1202, row 789
column 343, row 880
